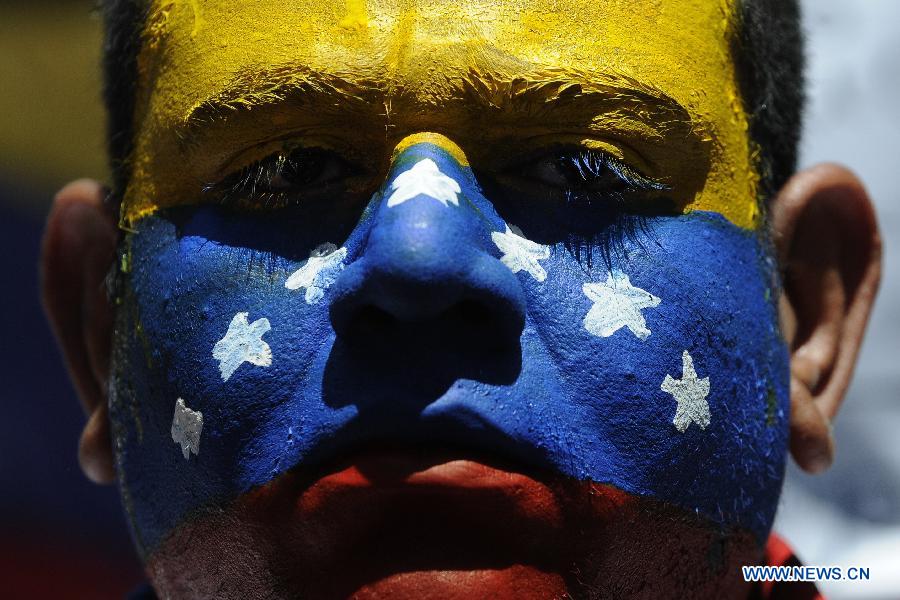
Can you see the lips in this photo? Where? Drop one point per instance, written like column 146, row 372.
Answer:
column 414, row 468
column 393, row 501
column 445, row 520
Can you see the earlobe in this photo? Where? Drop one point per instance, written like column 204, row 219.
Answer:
column 78, row 249
column 95, row 447
column 826, row 236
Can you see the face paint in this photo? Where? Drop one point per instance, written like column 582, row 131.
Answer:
column 690, row 393
column 520, row 254
column 609, row 420
column 242, row 343
column 187, row 425
column 449, row 310
column 318, row 272
column 424, row 179
column 617, row 304
column 637, row 83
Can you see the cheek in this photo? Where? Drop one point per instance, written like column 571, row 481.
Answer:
column 217, row 360
column 685, row 382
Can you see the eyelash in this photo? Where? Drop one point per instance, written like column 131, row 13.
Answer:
column 608, row 211
column 615, row 217
column 243, row 186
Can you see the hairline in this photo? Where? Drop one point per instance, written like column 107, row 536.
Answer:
column 773, row 115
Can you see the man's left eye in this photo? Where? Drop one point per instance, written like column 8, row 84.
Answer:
column 584, row 171
column 585, row 198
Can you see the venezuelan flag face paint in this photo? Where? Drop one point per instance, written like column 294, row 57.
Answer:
column 366, row 239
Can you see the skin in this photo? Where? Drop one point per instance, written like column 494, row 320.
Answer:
column 361, row 51
column 638, row 103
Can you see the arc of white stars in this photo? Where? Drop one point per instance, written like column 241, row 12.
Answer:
column 520, row 253
column 424, row 178
column 318, row 272
column 187, row 425
column 690, row 393
column 617, row 304
column 243, row 343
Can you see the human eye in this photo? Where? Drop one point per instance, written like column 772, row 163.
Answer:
column 592, row 176
column 594, row 201
column 285, row 178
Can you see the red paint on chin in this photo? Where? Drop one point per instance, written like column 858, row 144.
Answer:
column 422, row 490
column 427, row 525
column 393, row 524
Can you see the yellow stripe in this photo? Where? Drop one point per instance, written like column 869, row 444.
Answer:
column 436, row 139
column 406, row 60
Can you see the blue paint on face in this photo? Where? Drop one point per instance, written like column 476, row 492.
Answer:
column 426, row 337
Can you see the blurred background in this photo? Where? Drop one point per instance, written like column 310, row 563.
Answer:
column 61, row 536
column 851, row 514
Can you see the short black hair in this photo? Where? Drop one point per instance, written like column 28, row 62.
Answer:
column 768, row 52
column 767, row 49
column 123, row 28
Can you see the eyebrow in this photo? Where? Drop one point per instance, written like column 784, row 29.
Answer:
column 289, row 84
column 533, row 93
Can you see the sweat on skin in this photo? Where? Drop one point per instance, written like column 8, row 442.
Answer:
column 672, row 404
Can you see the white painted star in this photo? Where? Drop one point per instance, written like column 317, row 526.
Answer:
column 690, row 393
column 318, row 272
column 520, row 253
column 617, row 304
column 186, row 427
column 425, row 178
column 243, row 343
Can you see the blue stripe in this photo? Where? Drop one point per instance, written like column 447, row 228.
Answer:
column 584, row 406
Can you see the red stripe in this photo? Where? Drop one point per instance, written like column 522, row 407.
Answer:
column 499, row 534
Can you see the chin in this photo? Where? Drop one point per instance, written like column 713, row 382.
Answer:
column 391, row 523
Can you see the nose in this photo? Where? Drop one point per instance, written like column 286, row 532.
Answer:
column 426, row 265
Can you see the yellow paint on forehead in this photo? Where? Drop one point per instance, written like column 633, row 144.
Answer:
column 436, row 139
column 401, row 60
column 357, row 15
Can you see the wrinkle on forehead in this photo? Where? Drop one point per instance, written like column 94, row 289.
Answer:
column 481, row 88
column 424, row 54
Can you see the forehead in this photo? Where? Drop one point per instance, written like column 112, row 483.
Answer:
column 403, row 57
column 679, row 44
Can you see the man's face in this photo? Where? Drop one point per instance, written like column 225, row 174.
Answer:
column 439, row 296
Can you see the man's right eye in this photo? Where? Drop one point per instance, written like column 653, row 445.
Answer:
column 284, row 179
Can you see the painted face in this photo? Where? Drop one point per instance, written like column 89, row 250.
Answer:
column 447, row 294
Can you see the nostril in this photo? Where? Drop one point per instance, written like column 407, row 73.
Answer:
column 466, row 326
column 469, row 311
column 371, row 322
column 381, row 301
column 473, row 318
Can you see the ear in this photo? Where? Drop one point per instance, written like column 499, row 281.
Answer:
column 827, row 241
column 78, row 249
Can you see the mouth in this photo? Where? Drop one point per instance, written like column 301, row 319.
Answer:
column 398, row 466
column 434, row 486
column 432, row 513
column 390, row 507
